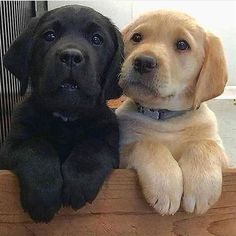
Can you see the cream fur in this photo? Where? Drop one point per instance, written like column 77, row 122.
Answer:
column 181, row 157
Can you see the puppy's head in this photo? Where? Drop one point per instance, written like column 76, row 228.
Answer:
column 171, row 62
column 72, row 56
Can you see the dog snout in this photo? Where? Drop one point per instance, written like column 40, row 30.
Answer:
column 144, row 64
column 71, row 57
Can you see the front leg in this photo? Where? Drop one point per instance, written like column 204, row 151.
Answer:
column 86, row 168
column 159, row 174
column 201, row 164
column 38, row 168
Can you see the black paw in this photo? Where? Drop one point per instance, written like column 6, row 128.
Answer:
column 41, row 201
column 79, row 188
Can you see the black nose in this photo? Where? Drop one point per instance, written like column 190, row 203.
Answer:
column 71, row 57
column 144, row 64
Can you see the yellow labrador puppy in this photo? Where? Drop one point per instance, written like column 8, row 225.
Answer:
column 168, row 135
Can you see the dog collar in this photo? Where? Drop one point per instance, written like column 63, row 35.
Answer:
column 159, row 114
column 65, row 117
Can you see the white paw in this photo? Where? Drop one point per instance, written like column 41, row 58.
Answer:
column 201, row 191
column 163, row 191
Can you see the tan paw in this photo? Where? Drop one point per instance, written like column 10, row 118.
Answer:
column 163, row 190
column 201, row 191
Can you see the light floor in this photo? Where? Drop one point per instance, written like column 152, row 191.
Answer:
column 225, row 111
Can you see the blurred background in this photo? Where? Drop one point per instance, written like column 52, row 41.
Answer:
column 218, row 17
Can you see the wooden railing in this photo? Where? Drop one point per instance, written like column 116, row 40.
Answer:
column 119, row 209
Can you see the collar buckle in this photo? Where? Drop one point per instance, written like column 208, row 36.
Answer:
column 159, row 114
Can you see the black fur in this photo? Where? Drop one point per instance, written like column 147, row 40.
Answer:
column 63, row 162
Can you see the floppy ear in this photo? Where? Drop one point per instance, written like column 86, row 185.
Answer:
column 18, row 56
column 111, row 89
column 213, row 75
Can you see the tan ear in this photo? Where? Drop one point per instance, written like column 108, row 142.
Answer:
column 213, row 75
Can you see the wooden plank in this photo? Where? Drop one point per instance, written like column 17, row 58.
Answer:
column 119, row 209
column 115, row 103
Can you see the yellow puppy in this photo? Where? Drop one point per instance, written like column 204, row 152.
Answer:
column 168, row 134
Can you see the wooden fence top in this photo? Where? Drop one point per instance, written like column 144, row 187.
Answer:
column 119, row 209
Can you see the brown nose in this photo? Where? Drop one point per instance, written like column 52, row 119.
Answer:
column 144, row 64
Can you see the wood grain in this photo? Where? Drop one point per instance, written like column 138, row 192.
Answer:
column 115, row 103
column 119, row 209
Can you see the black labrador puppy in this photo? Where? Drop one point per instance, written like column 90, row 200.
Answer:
column 64, row 139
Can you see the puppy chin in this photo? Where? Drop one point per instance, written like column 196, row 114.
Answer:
column 138, row 86
column 65, row 101
column 136, row 81
column 155, row 100
column 67, row 95
column 146, row 96
column 138, row 92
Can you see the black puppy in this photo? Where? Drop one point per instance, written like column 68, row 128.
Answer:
column 64, row 139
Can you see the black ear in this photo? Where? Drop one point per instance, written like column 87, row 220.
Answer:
column 18, row 56
column 111, row 88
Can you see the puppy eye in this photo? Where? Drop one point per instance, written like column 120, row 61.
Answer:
column 49, row 35
column 97, row 40
column 182, row 45
column 137, row 37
